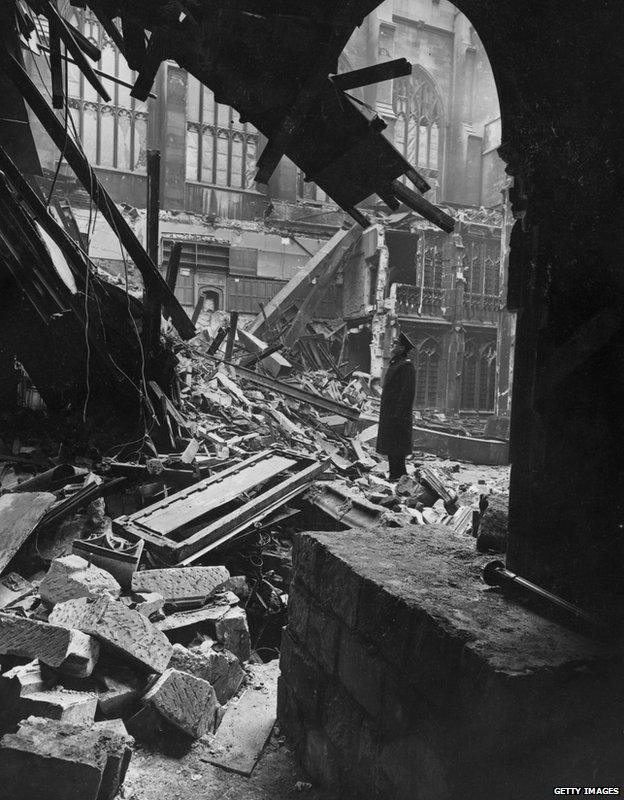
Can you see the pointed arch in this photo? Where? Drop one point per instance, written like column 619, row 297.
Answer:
column 419, row 124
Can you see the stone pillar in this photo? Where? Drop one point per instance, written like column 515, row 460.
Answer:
column 174, row 139
column 453, row 341
column 566, row 518
column 384, row 323
column 506, row 330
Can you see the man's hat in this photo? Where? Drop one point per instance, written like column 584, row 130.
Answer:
column 407, row 343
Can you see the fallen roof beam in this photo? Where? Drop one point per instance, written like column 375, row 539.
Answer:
column 423, row 207
column 297, row 287
column 375, row 74
column 279, row 143
column 297, row 394
column 85, row 173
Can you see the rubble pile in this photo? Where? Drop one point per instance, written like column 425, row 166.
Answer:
column 137, row 588
column 87, row 665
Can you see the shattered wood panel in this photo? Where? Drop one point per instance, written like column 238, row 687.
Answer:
column 187, row 506
column 19, row 516
column 273, row 476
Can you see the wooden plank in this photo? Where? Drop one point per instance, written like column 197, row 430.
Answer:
column 183, row 507
column 173, row 266
column 19, row 516
column 247, row 725
column 299, row 283
column 231, row 335
column 279, row 387
column 80, row 165
column 385, row 71
column 423, row 207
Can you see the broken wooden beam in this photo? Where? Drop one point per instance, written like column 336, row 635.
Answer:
column 60, row 27
column 423, row 207
column 173, row 265
column 273, row 385
column 19, row 516
column 83, row 170
column 385, row 71
column 231, row 335
column 151, row 290
column 297, row 287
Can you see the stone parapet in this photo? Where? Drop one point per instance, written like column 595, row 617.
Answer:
column 404, row 676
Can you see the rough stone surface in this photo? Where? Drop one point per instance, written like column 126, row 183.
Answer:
column 121, row 628
column 146, row 603
column 233, row 633
column 220, row 668
column 72, row 577
column 180, row 583
column 403, row 674
column 119, row 689
column 69, row 651
column 185, row 701
column 24, row 693
column 51, row 760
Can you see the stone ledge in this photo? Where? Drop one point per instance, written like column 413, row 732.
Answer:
column 435, row 663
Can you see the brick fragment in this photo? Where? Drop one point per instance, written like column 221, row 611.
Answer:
column 180, row 583
column 220, row 668
column 121, row 628
column 233, row 633
column 53, row 760
column 71, row 577
column 69, row 651
column 185, row 701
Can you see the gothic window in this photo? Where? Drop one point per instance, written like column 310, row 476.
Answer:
column 113, row 134
column 478, row 376
column 482, row 275
column 220, row 149
column 426, row 360
column 418, row 124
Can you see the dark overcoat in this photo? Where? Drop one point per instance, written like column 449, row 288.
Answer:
column 395, row 415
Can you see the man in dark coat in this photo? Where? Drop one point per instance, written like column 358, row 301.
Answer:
column 394, row 437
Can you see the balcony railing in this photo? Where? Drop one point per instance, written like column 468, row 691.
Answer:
column 407, row 300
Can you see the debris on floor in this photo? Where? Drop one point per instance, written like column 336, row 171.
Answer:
column 145, row 588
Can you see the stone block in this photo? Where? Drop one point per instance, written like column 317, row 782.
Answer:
column 299, row 601
column 146, row 603
column 51, row 760
column 69, row 651
column 323, row 637
column 304, row 676
column 119, row 689
column 220, row 668
column 330, row 579
column 126, row 631
column 361, row 672
column 24, row 692
column 290, row 718
column 232, row 632
column 71, row 577
column 180, row 583
column 185, row 701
